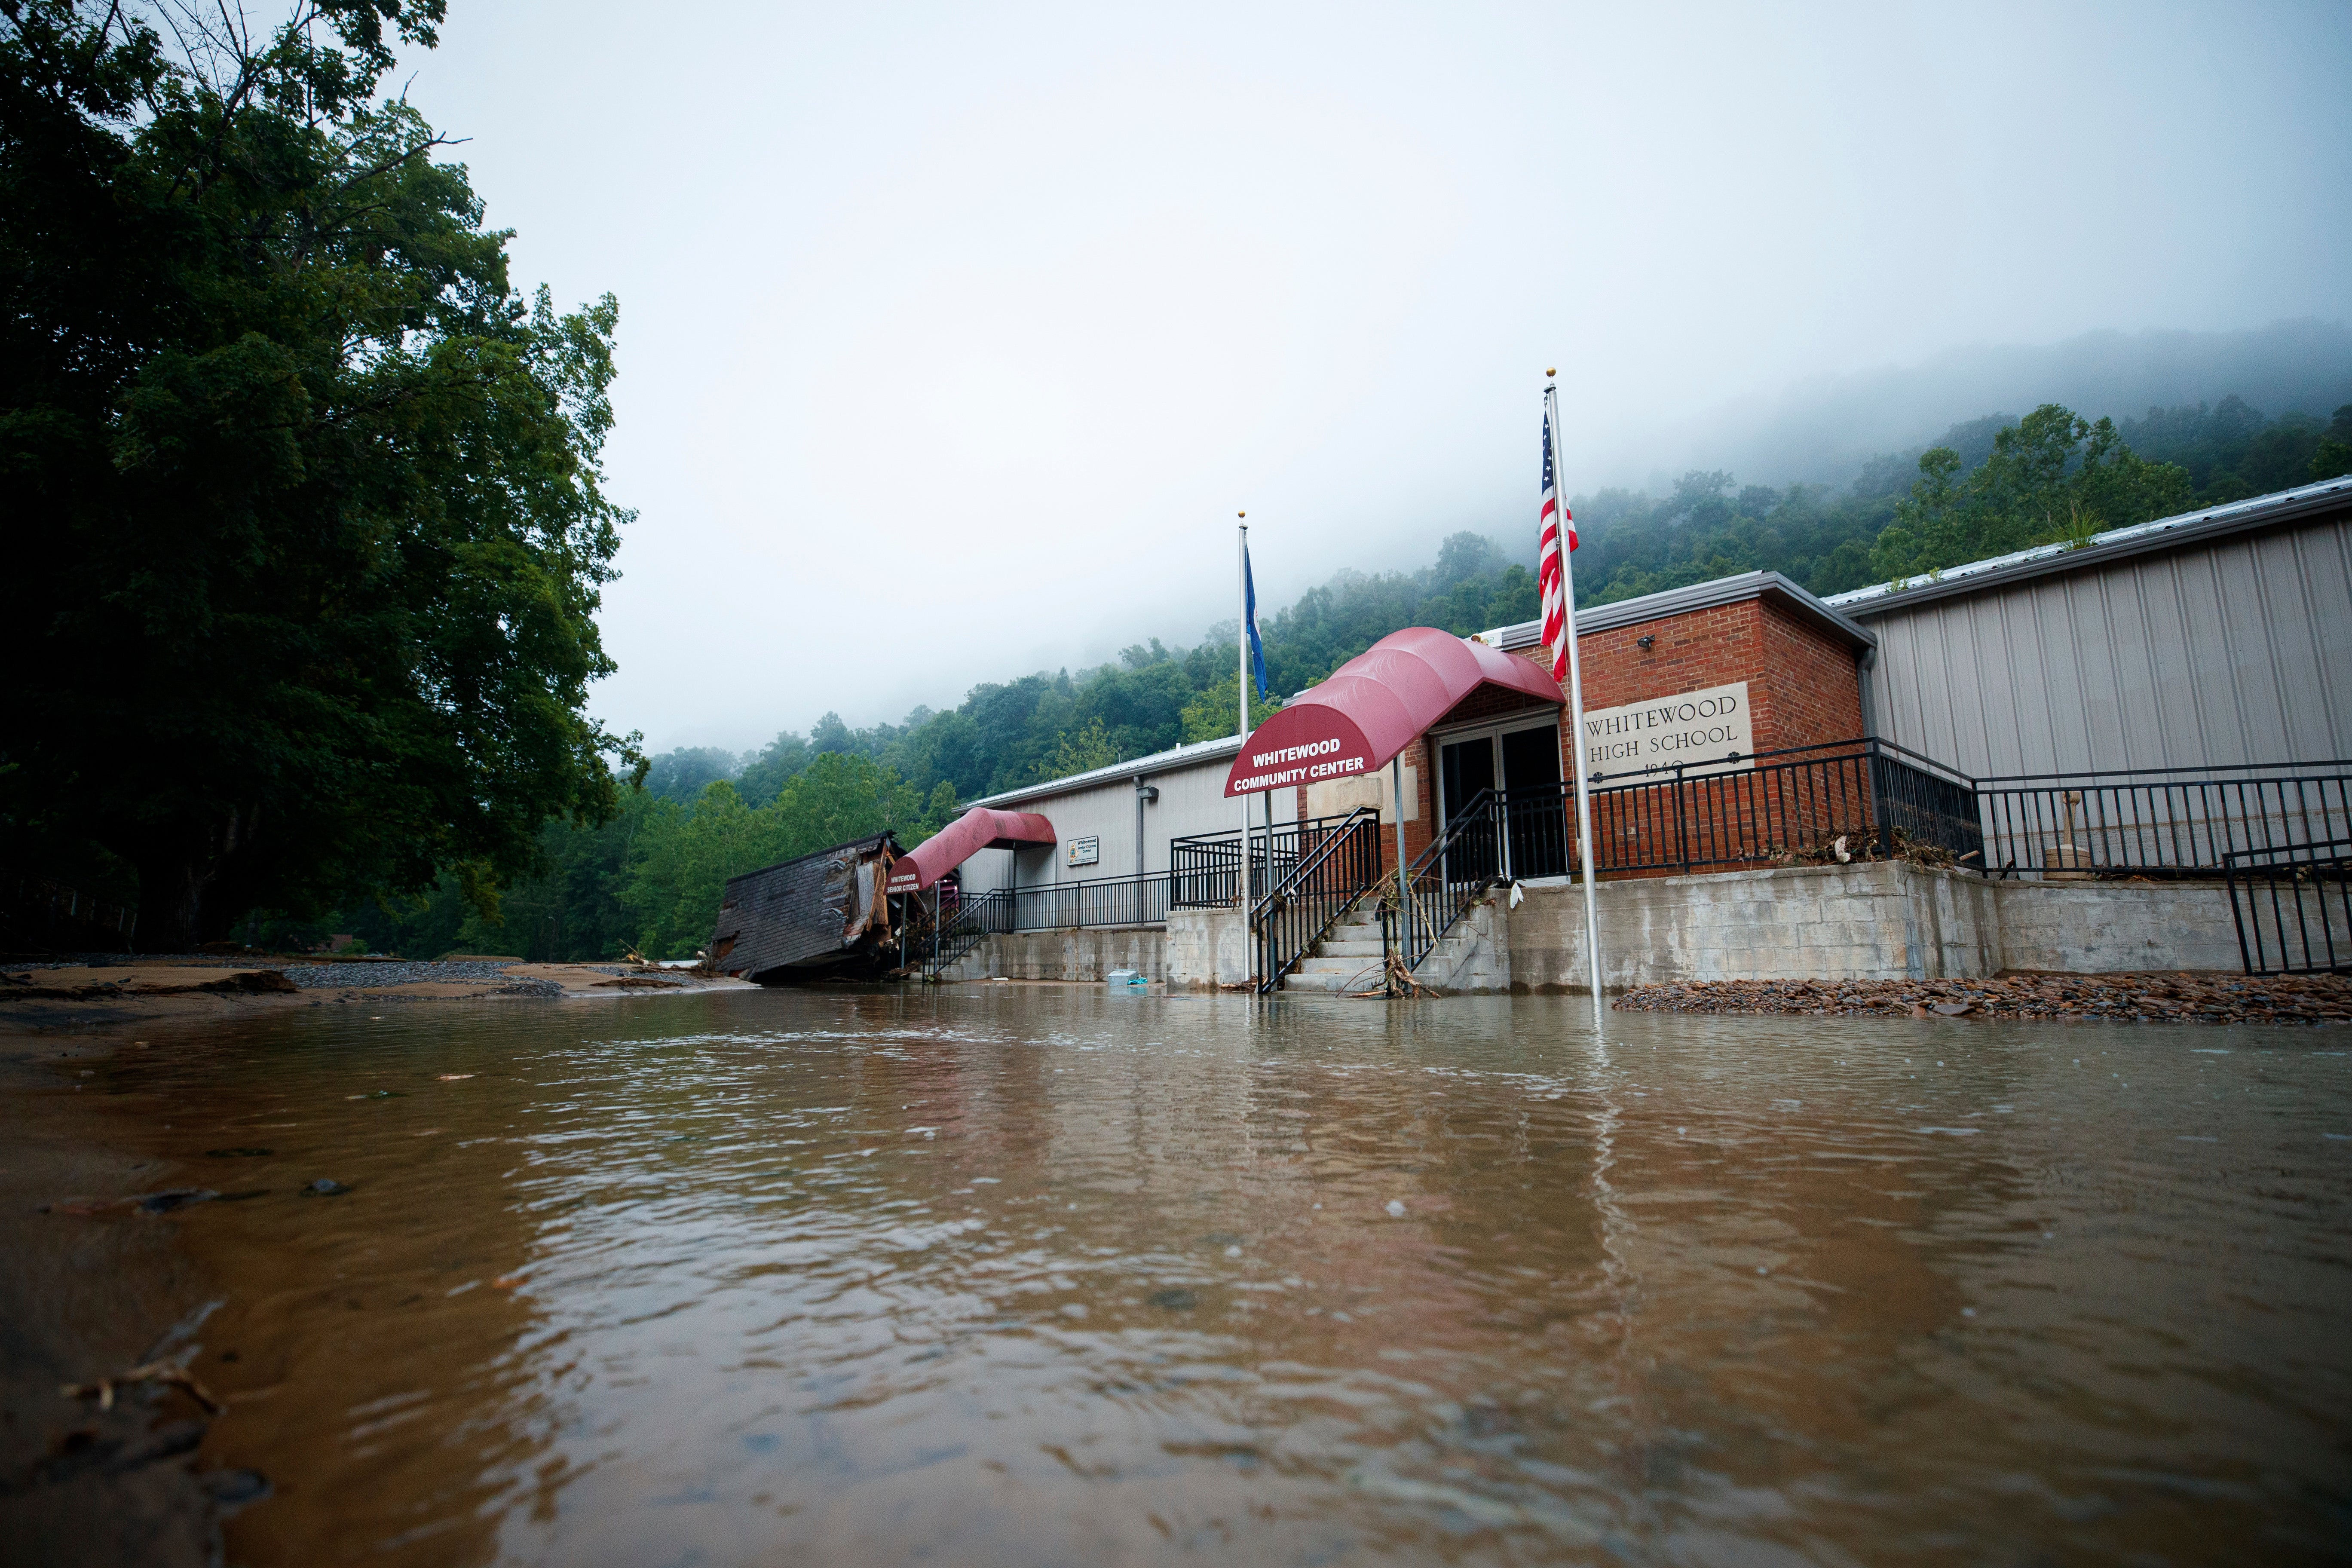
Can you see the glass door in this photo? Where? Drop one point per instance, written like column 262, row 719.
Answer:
column 1521, row 763
column 1467, row 767
column 1535, row 827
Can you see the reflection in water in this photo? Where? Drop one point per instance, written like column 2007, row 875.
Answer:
column 1024, row 1274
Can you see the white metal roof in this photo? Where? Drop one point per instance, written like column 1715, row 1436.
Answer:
column 2165, row 532
column 1169, row 760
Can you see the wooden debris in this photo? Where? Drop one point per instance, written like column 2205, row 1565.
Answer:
column 153, row 1372
column 2177, row 998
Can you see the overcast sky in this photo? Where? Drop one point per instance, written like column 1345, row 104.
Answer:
column 953, row 337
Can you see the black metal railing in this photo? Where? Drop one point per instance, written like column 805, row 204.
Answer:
column 2292, row 907
column 968, row 924
column 1054, row 906
column 1105, row 902
column 1446, row 879
column 1205, row 868
column 2159, row 821
column 1336, row 867
column 1777, row 808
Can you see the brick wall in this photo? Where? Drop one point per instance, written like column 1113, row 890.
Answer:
column 1812, row 682
column 1803, row 686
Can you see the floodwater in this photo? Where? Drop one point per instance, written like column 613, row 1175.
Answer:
column 1051, row 1275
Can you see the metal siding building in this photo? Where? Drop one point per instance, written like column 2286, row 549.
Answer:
column 1101, row 804
column 2219, row 638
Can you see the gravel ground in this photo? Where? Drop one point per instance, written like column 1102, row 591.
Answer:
column 318, row 977
column 311, row 976
column 2146, row 998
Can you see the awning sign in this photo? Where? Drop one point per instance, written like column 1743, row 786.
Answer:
column 1301, row 745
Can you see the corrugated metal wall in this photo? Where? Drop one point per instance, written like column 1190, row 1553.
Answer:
column 2239, row 651
column 1192, row 800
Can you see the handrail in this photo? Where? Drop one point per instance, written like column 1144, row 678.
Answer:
column 1288, row 917
column 2291, row 905
column 1436, row 912
column 2202, row 770
column 974, row 921
column 1781, row 756
column 1208, row 866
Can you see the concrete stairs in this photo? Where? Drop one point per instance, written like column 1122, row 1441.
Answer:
column 1353, row 948
column 1466, row 958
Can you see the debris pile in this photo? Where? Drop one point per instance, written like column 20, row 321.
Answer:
column 824, row 915
column 2174, row 998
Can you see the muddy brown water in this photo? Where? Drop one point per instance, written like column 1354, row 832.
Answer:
column 1031, row 1275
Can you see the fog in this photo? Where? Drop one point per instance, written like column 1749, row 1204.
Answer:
column 953, row 338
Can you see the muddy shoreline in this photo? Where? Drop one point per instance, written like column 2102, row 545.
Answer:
column 88, row 1298
column 99, row 1287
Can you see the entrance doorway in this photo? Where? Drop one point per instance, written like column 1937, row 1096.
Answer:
column 1518, row 758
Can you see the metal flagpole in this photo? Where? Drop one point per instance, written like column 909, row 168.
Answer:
column 1267, row 798
column 1241, row 691
column 1575, row 691
column 1404, row 901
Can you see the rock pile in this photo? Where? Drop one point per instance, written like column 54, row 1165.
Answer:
column 2178, row 998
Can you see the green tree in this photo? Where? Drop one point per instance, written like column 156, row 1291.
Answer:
column 681, row 857
column 679, row 775
column 2332, row 458
column 2052, row 477
column 1080, row 751
column 312, row 526
column 681, row 861
column 1211, row 715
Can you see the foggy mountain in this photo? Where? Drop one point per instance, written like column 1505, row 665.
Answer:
column 1825, row 429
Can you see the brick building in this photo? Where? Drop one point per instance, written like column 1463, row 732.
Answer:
column 1789, row 665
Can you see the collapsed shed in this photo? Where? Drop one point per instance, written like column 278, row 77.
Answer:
column 825, row 915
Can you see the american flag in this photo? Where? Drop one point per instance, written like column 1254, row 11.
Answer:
column 1548, row 579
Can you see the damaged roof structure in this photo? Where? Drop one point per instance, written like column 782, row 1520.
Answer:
column 824, row 915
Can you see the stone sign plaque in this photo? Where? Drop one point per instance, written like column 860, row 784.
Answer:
column 1700, row 730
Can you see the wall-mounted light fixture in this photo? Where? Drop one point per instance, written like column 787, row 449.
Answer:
column 1643, row 642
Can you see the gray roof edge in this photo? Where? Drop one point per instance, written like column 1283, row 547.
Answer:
column 1157, row 763
column 2270, row 511
column 1705, row 596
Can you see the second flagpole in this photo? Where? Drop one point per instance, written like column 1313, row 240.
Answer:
column 1241, row 691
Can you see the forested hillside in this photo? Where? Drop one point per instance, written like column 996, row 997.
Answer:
column 651, row 879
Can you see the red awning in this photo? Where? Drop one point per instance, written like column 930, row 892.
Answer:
column 1375, row 706
column 977, row 830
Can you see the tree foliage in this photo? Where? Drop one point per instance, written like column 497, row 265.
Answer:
column 2232, row 451
column 2052, row 477
column 682, row 857
column 312, row 524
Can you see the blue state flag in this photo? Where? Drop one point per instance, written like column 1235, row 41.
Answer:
column 1249, row 604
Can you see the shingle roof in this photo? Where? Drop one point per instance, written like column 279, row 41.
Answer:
column 795, row 913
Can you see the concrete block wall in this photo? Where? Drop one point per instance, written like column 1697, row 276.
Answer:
column 1207, row 948
column 2087, row 928
column 1878, row 920
column 1086, row 955
column 1883, row 920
